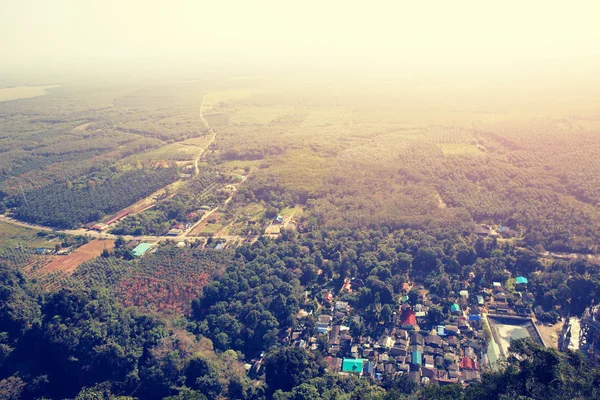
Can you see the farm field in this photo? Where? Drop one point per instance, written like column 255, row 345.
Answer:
column 69, row 263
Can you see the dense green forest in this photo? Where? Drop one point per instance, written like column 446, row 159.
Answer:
column 68, row 205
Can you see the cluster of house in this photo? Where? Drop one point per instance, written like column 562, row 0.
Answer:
column 451, row 351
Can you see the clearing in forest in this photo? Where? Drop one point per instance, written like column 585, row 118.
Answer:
column 23, row 92
column 69, row 263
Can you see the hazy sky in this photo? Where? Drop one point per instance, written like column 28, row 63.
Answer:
column 309, row 32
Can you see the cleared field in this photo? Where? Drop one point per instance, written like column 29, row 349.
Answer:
column 211, row 229
column 14, row 235
column 201, row 141
column 68, row 264
column 459, row 149
column 252, row 115
column 172, row 152
column 215, row 98
column 23, row 92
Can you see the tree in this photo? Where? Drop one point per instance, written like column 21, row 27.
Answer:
column 288, row 367
column 435, row 315
column 304, row 391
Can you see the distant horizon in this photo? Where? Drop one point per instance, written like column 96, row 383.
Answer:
column 434, row 39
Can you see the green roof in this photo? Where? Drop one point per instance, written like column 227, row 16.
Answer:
column 141, row 249
column 404, row 299
column 521, row 279
column 417, row 357
column 352, row 365
column 455, row 307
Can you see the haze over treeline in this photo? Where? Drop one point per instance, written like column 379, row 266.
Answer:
column 440, row 39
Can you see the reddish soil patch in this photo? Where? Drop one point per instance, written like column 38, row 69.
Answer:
column 69, row 263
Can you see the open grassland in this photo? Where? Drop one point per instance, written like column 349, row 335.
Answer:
column 23, row 92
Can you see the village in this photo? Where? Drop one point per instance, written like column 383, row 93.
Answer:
column 470, row 336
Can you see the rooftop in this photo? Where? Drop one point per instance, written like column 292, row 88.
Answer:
column 352, row 365
column 141, row 249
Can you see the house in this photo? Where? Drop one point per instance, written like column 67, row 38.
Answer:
column 408, row 319
column 100, row 227
column 386, row 341
column 42, row 250
column 174, row 232
column 322, row 327
column 452, row 330
column 453, row 340
column 341, row 306
column 416, row 357
column 369, row 369
column 403, row 368
column 333, row 363
column 441, row 330
column 455, row 309
column 415, row 376
column 352, row 365
column 521, row 280
column 482, row 230
column 328, row 297
column 278, row 220
column 470, row 376
column 220, row 246
column 474, row 317
column 464, row 293
column 439, row 362
column 141, row 249
column 398, row 351
column 480, row 300
column 117, row 217
column 433, row 341
column 428, row 361
column 467, row 363
column 429, row 373
column 417, row 339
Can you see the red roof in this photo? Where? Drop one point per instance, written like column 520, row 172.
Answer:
column 467, row 363
column 117, row 217
column 408, row 317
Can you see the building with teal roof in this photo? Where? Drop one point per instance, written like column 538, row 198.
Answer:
column 141, row 249
column 416, row 357
column 521, row 280
column 455, row 308
column 354, row 365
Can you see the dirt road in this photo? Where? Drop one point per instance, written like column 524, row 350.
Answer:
column 212, row 132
